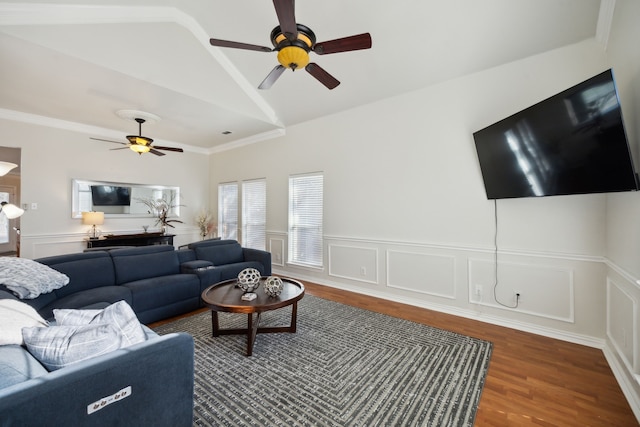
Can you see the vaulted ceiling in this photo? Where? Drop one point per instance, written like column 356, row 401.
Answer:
column 75, row 64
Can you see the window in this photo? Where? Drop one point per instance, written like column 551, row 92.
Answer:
column 254, row 214
column 228, row 210
column 305, row 219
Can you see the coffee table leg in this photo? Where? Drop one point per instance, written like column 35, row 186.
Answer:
column 215, row 325
column 252, row 331
column 294, row 317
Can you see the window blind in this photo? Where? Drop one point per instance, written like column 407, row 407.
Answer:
column 305, row 219
column 254, row 214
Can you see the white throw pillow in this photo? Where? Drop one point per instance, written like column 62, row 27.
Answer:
column 120, row 315
column 15, row 315
column 58, row 346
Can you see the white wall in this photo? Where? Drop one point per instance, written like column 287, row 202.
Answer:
column 404, row 199
column 51, row 158
column 623, row 215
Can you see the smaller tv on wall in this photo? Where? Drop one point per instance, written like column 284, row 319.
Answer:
column 571, row 143
column 110, row 195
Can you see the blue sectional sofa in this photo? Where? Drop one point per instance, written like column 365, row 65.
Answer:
column 158, row 282
column 158, row 371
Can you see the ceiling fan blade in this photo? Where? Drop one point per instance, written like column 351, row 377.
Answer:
column 108, row 140
column 238, row 45
column 120, row 148
column 321, row 75
column 285, row 9
column 345, row 44
column 272, row 77
column 178, row 150
column 156, row 152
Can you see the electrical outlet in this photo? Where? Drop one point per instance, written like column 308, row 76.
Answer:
column 517, row 296
column 478, row 290
column 363, row 271
column 34, row 206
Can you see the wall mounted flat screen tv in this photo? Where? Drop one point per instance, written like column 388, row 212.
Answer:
column 571, row 143
column 110, row 195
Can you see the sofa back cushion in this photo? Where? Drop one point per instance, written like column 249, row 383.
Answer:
column 144, row 262
column 219, row 252
column 86, row 270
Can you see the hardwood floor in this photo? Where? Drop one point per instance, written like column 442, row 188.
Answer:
column 532, row 380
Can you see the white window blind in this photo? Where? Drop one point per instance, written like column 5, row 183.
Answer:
column 254, row 214
column 228, row 210
column 305, row 219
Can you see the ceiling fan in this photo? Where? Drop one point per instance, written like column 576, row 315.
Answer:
column 293, row 42
column 141, row 144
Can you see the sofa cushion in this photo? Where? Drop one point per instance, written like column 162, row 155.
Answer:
column 28, row 278
column 15, row 315
column 17, row 365
column 86, row 270
column 162, row 291
column 220, row 254
column 144, row 262
column 120, row 315
column 87, row 299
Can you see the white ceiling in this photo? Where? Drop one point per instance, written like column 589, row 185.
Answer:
column 79, row 62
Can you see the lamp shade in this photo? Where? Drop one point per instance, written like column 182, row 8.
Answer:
column 11, row 210
column 5, row 167
column 93, row 218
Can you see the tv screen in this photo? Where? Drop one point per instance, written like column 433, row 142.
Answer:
column 571, row 143
column 110, row 195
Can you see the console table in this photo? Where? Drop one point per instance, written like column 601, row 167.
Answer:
column 141, row 239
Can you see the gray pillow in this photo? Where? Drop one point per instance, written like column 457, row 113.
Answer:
column 58, row 346
column 120, row 315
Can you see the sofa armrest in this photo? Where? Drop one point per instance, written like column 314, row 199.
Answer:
column 159, row 373
column 262, row 257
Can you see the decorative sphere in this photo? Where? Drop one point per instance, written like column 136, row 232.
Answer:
column 273, row 286
column 249, row 279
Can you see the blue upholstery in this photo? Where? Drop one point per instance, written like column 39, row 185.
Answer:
column 17, row 365
column 159, row 372
column 144, row 262
column 85, row 271
column 89, row 297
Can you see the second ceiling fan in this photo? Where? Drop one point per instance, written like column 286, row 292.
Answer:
column 141, row 144
column 293, row 42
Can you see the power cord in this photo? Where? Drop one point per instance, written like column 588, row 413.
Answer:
column 495, row 260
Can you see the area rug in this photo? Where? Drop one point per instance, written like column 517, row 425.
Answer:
column 345, row 366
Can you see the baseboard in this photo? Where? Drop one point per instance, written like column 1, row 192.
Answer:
column 626, row 384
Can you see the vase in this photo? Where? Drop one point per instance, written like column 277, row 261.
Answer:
column 163, row 229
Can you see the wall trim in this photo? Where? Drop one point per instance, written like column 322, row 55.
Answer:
column 468, row 314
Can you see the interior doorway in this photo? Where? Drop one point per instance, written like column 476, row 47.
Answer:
column 10, row 193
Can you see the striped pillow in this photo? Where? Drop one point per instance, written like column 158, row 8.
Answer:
column 58, row 346
column 120, row 315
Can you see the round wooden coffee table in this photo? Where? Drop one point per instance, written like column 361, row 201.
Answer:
column 226, row 296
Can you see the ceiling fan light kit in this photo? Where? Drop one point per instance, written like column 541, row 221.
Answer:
column 139, row 143
column 293, row 42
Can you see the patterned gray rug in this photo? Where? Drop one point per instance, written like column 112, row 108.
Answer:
column 344, row 367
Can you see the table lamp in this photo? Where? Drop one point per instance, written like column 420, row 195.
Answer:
column 93, row 219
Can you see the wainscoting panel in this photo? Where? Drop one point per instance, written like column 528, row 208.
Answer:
column 422, row 273
column 544, row 291
column 276, row 247
column 354, row 263
column 621, row 323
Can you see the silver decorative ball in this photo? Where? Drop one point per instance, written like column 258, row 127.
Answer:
column 273, row 286
column 249, row 279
